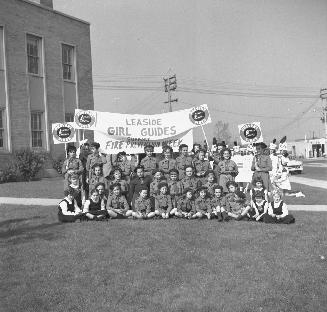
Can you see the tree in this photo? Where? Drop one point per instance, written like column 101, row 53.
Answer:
column 222, row 132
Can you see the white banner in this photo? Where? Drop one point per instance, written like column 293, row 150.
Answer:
column 131, row 132
column 250, row 133
column 63, row 132
column 112, row 146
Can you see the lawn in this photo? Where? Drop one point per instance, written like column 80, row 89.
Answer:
column 313, row 195
column 160, row 265
column 45, row 188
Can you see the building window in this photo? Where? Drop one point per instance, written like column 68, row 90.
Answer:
column 68, row 62
column 2, row 128
column 69, row 117
column 37, row 129
column 34, row 55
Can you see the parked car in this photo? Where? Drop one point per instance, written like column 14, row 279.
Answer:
column 294, row 165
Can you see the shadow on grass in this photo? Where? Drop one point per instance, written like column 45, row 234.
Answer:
column 11, row 221
column 27, row 233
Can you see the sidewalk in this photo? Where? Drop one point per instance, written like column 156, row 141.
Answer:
column 55, row 202
column 308, row 181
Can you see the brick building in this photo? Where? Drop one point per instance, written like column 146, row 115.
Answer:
column 45, row 73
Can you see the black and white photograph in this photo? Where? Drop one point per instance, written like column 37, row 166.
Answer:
column 163, row 155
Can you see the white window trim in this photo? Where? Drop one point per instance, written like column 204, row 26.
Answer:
column 69, row 81
column 46, row 143
column 8, row 147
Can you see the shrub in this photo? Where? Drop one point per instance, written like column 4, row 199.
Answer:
column 29, row 162
column 9, row 173
column 57, row 164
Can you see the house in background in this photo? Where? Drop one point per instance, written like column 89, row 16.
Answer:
column 310, row 148
column 45, row 73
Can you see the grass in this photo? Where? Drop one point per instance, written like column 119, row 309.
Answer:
column 45, row 188
column 313, row 195
column 159, row 265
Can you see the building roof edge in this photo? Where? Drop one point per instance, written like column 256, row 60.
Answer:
column 55, row 11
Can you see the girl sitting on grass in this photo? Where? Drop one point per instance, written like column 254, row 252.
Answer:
column 202, row 205
column 68, row 211
column 277, row 210
column 142, row 205
column 259, row 207
column 239, row 207
column 117, row 205
column 92, row 207
column 163, row 202
column 218, row 203
column 185, row 205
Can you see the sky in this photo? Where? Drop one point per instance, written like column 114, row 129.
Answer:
column 249, row 60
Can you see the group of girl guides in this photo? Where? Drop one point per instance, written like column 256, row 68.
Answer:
column 189, row 186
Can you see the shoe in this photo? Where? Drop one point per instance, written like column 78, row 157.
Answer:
column 300, row 194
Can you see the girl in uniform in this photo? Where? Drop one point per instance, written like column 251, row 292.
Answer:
column 259, row 207
column 258, row 189
column 142, row 205
column 277, row 210
column 92, row 207
column 189, row 180
column 117, row 205
column 202, row 205
column 117, row 178
column 149, row 162
column 163, row 202
column 226, row 169
column 183, row 160
column 210, row 182
column 168, row 162
column 201, row 165
column 185, row 205
column 68, row 211
column 261, row 166
column 218, row 204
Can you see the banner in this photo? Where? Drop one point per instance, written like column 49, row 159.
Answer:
column 250, row 133
column 112, row 146
column 131, row 132
column 63, row 132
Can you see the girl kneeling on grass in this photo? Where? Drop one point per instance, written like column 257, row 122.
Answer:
column 68, row 209
column 277, row 210
column 142, row 206
column 93, row 209
column 117, row 205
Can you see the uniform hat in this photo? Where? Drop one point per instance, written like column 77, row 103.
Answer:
column 261, row 144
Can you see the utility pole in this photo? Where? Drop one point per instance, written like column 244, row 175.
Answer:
column 170, row 85
column 323, row 96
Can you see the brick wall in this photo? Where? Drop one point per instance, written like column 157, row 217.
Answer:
column 20, row 17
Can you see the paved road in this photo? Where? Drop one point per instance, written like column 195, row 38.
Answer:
column 54, row 202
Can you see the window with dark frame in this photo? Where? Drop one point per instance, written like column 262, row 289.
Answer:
column 33, row 55
column 37, row 130
column 68, row 62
